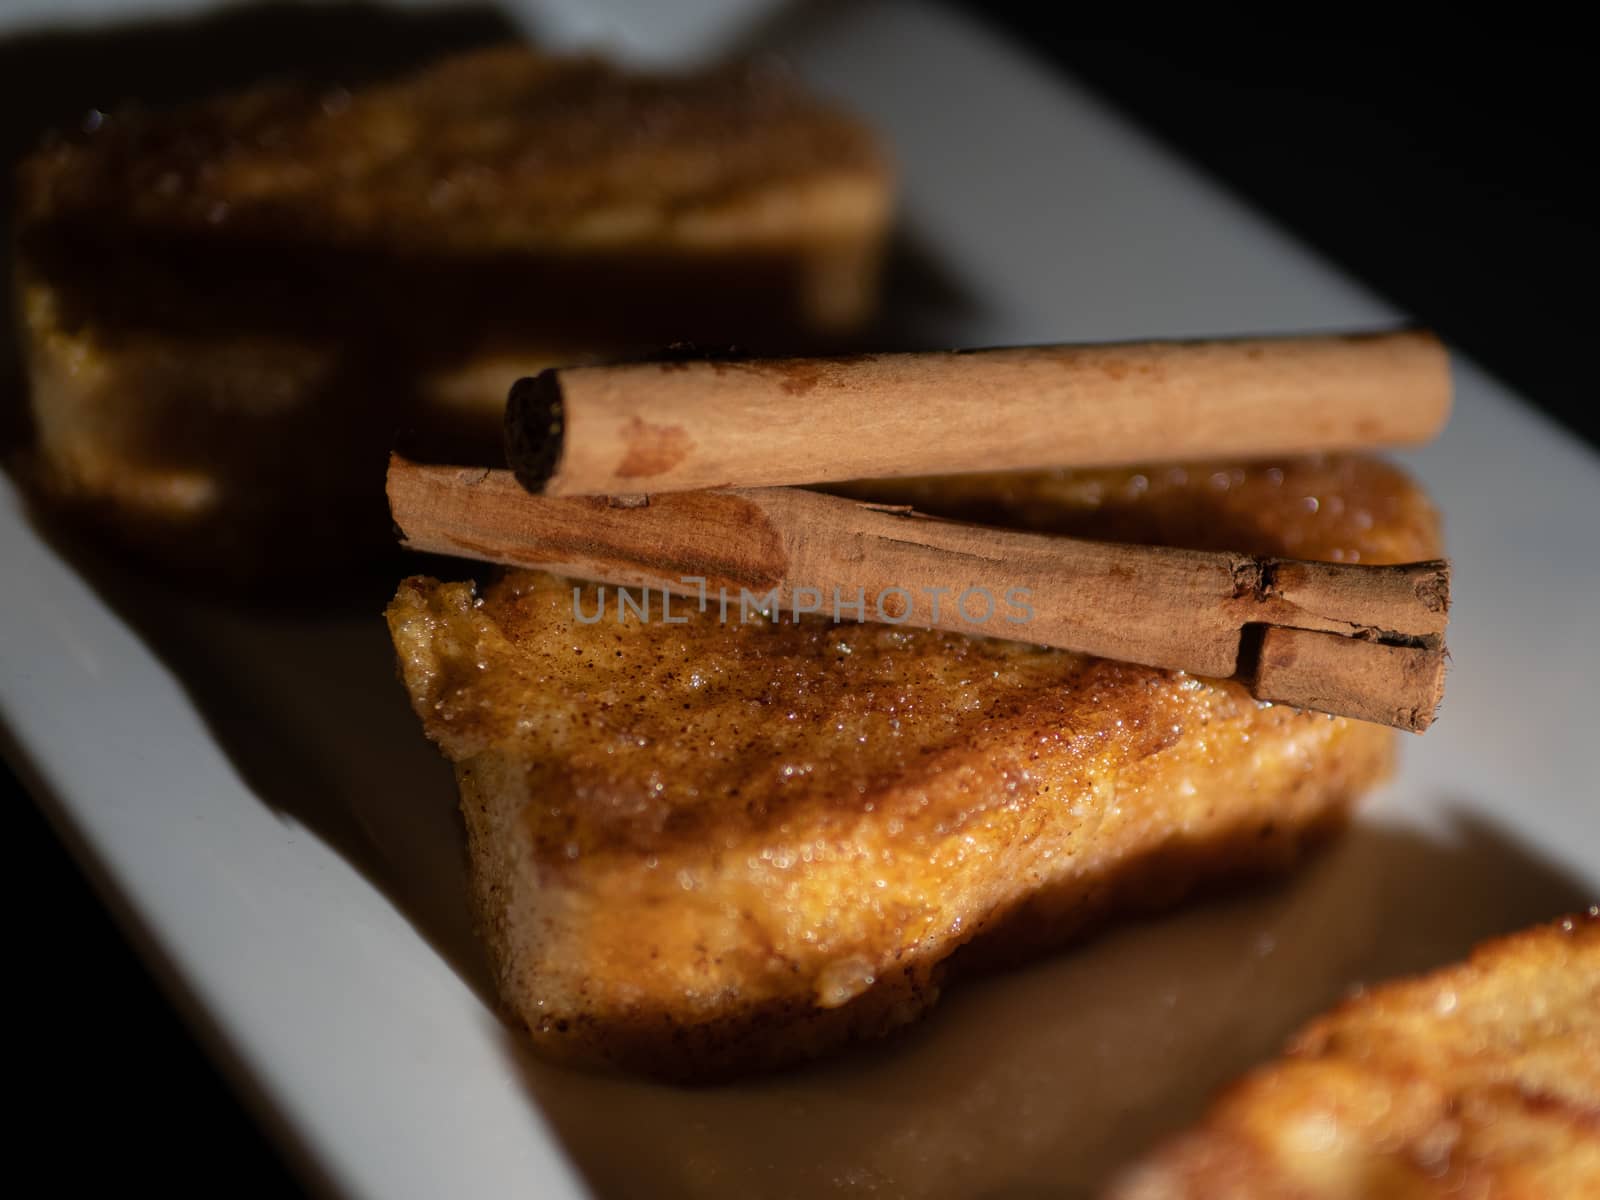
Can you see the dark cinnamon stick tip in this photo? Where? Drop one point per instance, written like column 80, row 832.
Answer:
column 535, row 430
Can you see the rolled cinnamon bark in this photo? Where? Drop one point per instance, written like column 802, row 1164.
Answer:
column 681, row 426
column 1361, row 641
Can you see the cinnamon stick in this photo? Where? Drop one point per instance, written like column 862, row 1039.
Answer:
column 1361, row 641
column 677, row 426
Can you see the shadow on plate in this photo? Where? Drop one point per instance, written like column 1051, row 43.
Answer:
column 304, row 699
column 1044, row 1081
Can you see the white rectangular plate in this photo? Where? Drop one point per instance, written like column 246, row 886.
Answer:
column 255, row 797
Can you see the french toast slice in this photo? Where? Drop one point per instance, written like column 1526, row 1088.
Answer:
column 231, row 309
column 705, row 848
column 1480, row 1079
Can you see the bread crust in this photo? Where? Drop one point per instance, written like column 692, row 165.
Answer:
column 500, row 149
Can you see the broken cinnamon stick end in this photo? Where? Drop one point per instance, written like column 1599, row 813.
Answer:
column 1350, row 677
column 535, row 430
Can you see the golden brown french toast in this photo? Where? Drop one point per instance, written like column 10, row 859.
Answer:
column 711, row 847
column 1480, row 1079
column 232, row 309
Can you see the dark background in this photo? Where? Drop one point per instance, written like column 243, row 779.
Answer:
column 1453, row 179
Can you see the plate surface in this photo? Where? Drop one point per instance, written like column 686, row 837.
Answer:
column 255, row 799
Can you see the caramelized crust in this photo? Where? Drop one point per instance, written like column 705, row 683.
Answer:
column 1481, row 1079
column 501, row 149
column 702, row 848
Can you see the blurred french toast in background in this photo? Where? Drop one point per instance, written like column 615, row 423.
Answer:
column 231, row 310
